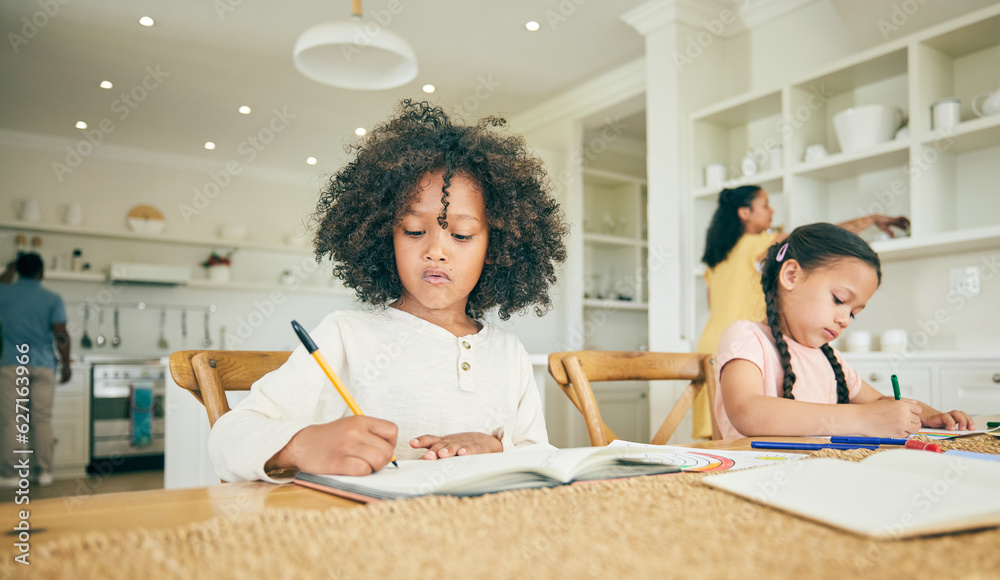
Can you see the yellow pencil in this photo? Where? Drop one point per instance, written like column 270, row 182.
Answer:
column 307, row 342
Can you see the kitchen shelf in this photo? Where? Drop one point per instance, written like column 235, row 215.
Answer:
column 102, row 277
column 67, row 275
column 614, row 240
column 742, row 109
column 614, row 304
column 768, row 180
column 968, row 240
column 157, row 238
column 261, row 287
column 967, row 136
column 844, row 165
column 606, row 178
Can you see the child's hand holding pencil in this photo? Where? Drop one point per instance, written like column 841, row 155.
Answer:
column 355, row 445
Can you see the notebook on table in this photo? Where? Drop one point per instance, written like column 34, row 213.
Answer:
column 889, row 495
column 473, row 475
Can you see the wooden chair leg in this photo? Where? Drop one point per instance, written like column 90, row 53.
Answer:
column 211, row 390
column 676, row 415
column 708, row 368
column 587, row 403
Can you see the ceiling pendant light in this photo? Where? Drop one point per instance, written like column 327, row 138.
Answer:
column 355, row 55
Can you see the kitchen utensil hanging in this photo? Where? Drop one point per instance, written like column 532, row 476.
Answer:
column 85, row 341
column 116, row 340
column 100, row 340
column 207, row 341
column 184, row 327
column 162, row 343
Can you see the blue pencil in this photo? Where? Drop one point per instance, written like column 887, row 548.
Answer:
column 868, row 440
column 806, row 446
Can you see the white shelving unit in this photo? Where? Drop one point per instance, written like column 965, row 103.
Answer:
column 944, row 181
column 615, row 257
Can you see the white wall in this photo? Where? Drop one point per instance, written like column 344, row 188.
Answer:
column 915, row 296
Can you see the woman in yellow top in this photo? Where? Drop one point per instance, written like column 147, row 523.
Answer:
column 737, row 239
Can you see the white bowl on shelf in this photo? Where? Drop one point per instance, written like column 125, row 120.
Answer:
column 145, row 226
column 865, row 126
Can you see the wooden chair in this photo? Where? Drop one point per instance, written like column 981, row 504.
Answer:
column 208, row 374
column 575, row 370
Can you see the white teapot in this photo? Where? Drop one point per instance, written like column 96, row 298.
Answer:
column 986, row 104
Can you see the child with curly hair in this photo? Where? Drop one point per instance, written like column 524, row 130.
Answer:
column 782, row 377
column 432, row 224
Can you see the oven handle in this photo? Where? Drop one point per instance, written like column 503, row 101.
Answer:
column 112, row 391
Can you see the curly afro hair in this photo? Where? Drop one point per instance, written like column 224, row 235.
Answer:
column 365, row 200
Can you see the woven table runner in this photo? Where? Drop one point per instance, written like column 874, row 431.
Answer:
column 661, row 527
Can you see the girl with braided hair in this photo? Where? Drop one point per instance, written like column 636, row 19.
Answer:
column 782, row 377
column 737, row 239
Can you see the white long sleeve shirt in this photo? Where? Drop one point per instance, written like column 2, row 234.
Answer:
column 399, row 368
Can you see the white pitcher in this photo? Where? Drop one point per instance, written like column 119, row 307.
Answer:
column 30, row 211
column 986, row 104
column 73, row 215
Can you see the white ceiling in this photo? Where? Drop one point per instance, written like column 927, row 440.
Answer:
column 218, row 55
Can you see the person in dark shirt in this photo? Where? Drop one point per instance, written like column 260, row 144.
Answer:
column 33, row 328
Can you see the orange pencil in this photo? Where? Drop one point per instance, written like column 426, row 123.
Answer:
column 307, row 342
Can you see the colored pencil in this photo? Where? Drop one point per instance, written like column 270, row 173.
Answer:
column 806, row 446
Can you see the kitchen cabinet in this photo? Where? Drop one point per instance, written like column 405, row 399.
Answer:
column 71, row 424
column 914, row 380
column 971, row 387
column 965, row 381
column 943, row 180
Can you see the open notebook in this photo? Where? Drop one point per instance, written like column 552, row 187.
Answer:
column 889, row 495
column 480, row 474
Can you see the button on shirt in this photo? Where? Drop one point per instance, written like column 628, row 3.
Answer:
column 27, row 313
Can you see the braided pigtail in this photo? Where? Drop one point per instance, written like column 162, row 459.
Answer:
column 842, row 395
column 769, row 282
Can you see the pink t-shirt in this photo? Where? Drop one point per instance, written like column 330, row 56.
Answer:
column 815, row 381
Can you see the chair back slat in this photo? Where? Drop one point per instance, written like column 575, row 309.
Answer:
column 208, row 374
column 639, row 365
column 575, row 370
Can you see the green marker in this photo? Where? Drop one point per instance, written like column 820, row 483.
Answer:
column 895, row 387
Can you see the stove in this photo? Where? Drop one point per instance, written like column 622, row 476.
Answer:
column 115, row 412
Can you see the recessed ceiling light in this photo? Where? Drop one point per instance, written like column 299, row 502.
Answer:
column 209, row 145
column 146, row 21
column 428, row 88
column 311, row 160
column 360, row 131
column 106, row 85
column 531, row 26
column 81, row 125
column 245, row 110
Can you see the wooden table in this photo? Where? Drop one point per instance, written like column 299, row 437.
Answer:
column 55, row 518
